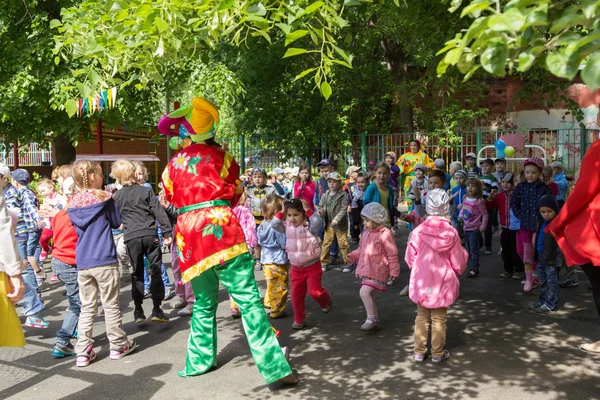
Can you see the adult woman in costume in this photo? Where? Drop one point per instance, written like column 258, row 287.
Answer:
column 408, row 160
column 202, row 180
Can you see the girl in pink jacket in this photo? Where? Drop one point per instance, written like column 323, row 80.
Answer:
column 436, row 259
column 377, row 259
column 301, row 227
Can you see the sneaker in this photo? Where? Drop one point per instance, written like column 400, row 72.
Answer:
column 324, row 267
column 169, row 294
column 444, row 357
column 544, row 310
column 139, row 316
column 59, row 351
column 35, row 321
column 390, row 282
column 158, row 315
column 297, row 326
column 518, row 275
column 235, row 313
column 404, row 291
column 329, row 304
column 569, row 284
column 472, row 274
column 347, row 268
column 506, row 275
column 418, row 357
column 534, row 306
column 180, row 303
column 43, row 255
column 54, row 278
column 84, row 359
column 370, row 325
column 186, row 311
column 122, row 351
column 257, row 265
column 40, row 277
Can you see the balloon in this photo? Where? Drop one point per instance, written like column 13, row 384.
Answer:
column 186, row 142
column 500, row 154
column 183, row 132
column 175, row 143
column 509, row 151
column 500, row 144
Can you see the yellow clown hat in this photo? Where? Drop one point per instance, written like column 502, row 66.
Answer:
column 198, row 121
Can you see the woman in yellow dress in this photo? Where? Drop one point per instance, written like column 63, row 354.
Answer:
column 407, row 162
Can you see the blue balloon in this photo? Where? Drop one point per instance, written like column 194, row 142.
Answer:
column 500, row 154
column 500, row 145
column 183, row 132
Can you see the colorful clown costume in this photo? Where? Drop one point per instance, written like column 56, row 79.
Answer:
column 202, row 181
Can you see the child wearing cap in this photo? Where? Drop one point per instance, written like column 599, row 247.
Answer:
column 333, row 208
column 32, row 302
column 436, row 259
column 560, row 178
column 473, row 171
column 524, row 205
column 456, row 197
column 490, row 188
column 377, row 259
column 325, row 167
column 421, row 181
column 548, row 256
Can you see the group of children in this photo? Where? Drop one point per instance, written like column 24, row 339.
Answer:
column 297, row 239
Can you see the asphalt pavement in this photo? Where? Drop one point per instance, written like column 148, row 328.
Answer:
column 500, row 349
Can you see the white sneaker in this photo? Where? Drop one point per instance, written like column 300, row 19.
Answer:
column 324, row 267
column 390, row 282
column 347, row 268
column 186, row 311
column 404, row 292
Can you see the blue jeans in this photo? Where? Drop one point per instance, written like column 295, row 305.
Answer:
column 67, row 274
column 472, row 244
column 32, row 302
column 548, row 276
column 163, row 273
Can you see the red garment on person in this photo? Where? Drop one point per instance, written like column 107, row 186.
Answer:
column 65, row 238
column 577, row 226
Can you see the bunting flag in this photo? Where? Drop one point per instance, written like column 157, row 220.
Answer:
column 97, row 102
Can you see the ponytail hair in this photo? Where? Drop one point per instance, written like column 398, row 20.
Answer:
column 82, row 169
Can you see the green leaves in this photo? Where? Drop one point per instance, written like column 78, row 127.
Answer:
column 293, row 51
column 591, row 73
column 71, row 107
column 293, row 36
column 257, row 9
column 562, row 64
column 161, row 24
column 326, row 90
column 493, row 59
column 475, row 8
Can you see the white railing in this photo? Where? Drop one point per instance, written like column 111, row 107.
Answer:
column 30, row 155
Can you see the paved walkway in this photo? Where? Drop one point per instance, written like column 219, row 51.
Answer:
column 500, row 350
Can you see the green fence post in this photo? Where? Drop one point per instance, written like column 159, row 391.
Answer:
column 363, row 151
column 243, row 153
column 583, row 142
column 479, row 140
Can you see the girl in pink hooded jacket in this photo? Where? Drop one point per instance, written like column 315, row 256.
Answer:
column 436, row 259
column 377, row 259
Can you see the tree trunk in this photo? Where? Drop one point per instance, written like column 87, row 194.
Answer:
column 63, row 151
column 398, row 66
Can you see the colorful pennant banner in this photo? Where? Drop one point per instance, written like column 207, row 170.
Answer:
column 98, row 102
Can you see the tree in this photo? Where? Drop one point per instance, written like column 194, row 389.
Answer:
column 562, row 37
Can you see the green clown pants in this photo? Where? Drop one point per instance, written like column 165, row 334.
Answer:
column 237, row 275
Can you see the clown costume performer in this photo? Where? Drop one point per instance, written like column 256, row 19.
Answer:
column 202, row 181
column 408, row 161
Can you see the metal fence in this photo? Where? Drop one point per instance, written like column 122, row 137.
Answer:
column 565, row 145
column 30, row 155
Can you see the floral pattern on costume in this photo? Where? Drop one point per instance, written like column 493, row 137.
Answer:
column 180, row 243
column 180, row 161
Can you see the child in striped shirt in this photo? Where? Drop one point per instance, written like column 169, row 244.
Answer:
column 490, row 188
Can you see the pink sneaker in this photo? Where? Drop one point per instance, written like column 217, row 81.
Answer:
column 43, row 255
column 54, row 278
column 84, row 359
column 122, row 351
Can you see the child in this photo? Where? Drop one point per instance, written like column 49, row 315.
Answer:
column 473, row 171
column 380, row 192
column 490, row 188
column 474, row 217
column 93, row 213
column 559, row 177
column 305, row 189
column 513, row 265
column 547, row 179
column 420, row 181
column 390, row 159
column 454, row 166
column 273, row 257
column 32, row 303
column 436, row 259
column 325, row 167
column 356, row 207
column 456, row 196
column 301, row 227
column 500, row 166
column 64, row 267
column 333, row 208
column 440, row 165
column 524, row 204
column 548, row 256
column 377, row 259
column 371, row 168
column 140, row 209
column 51, row 205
